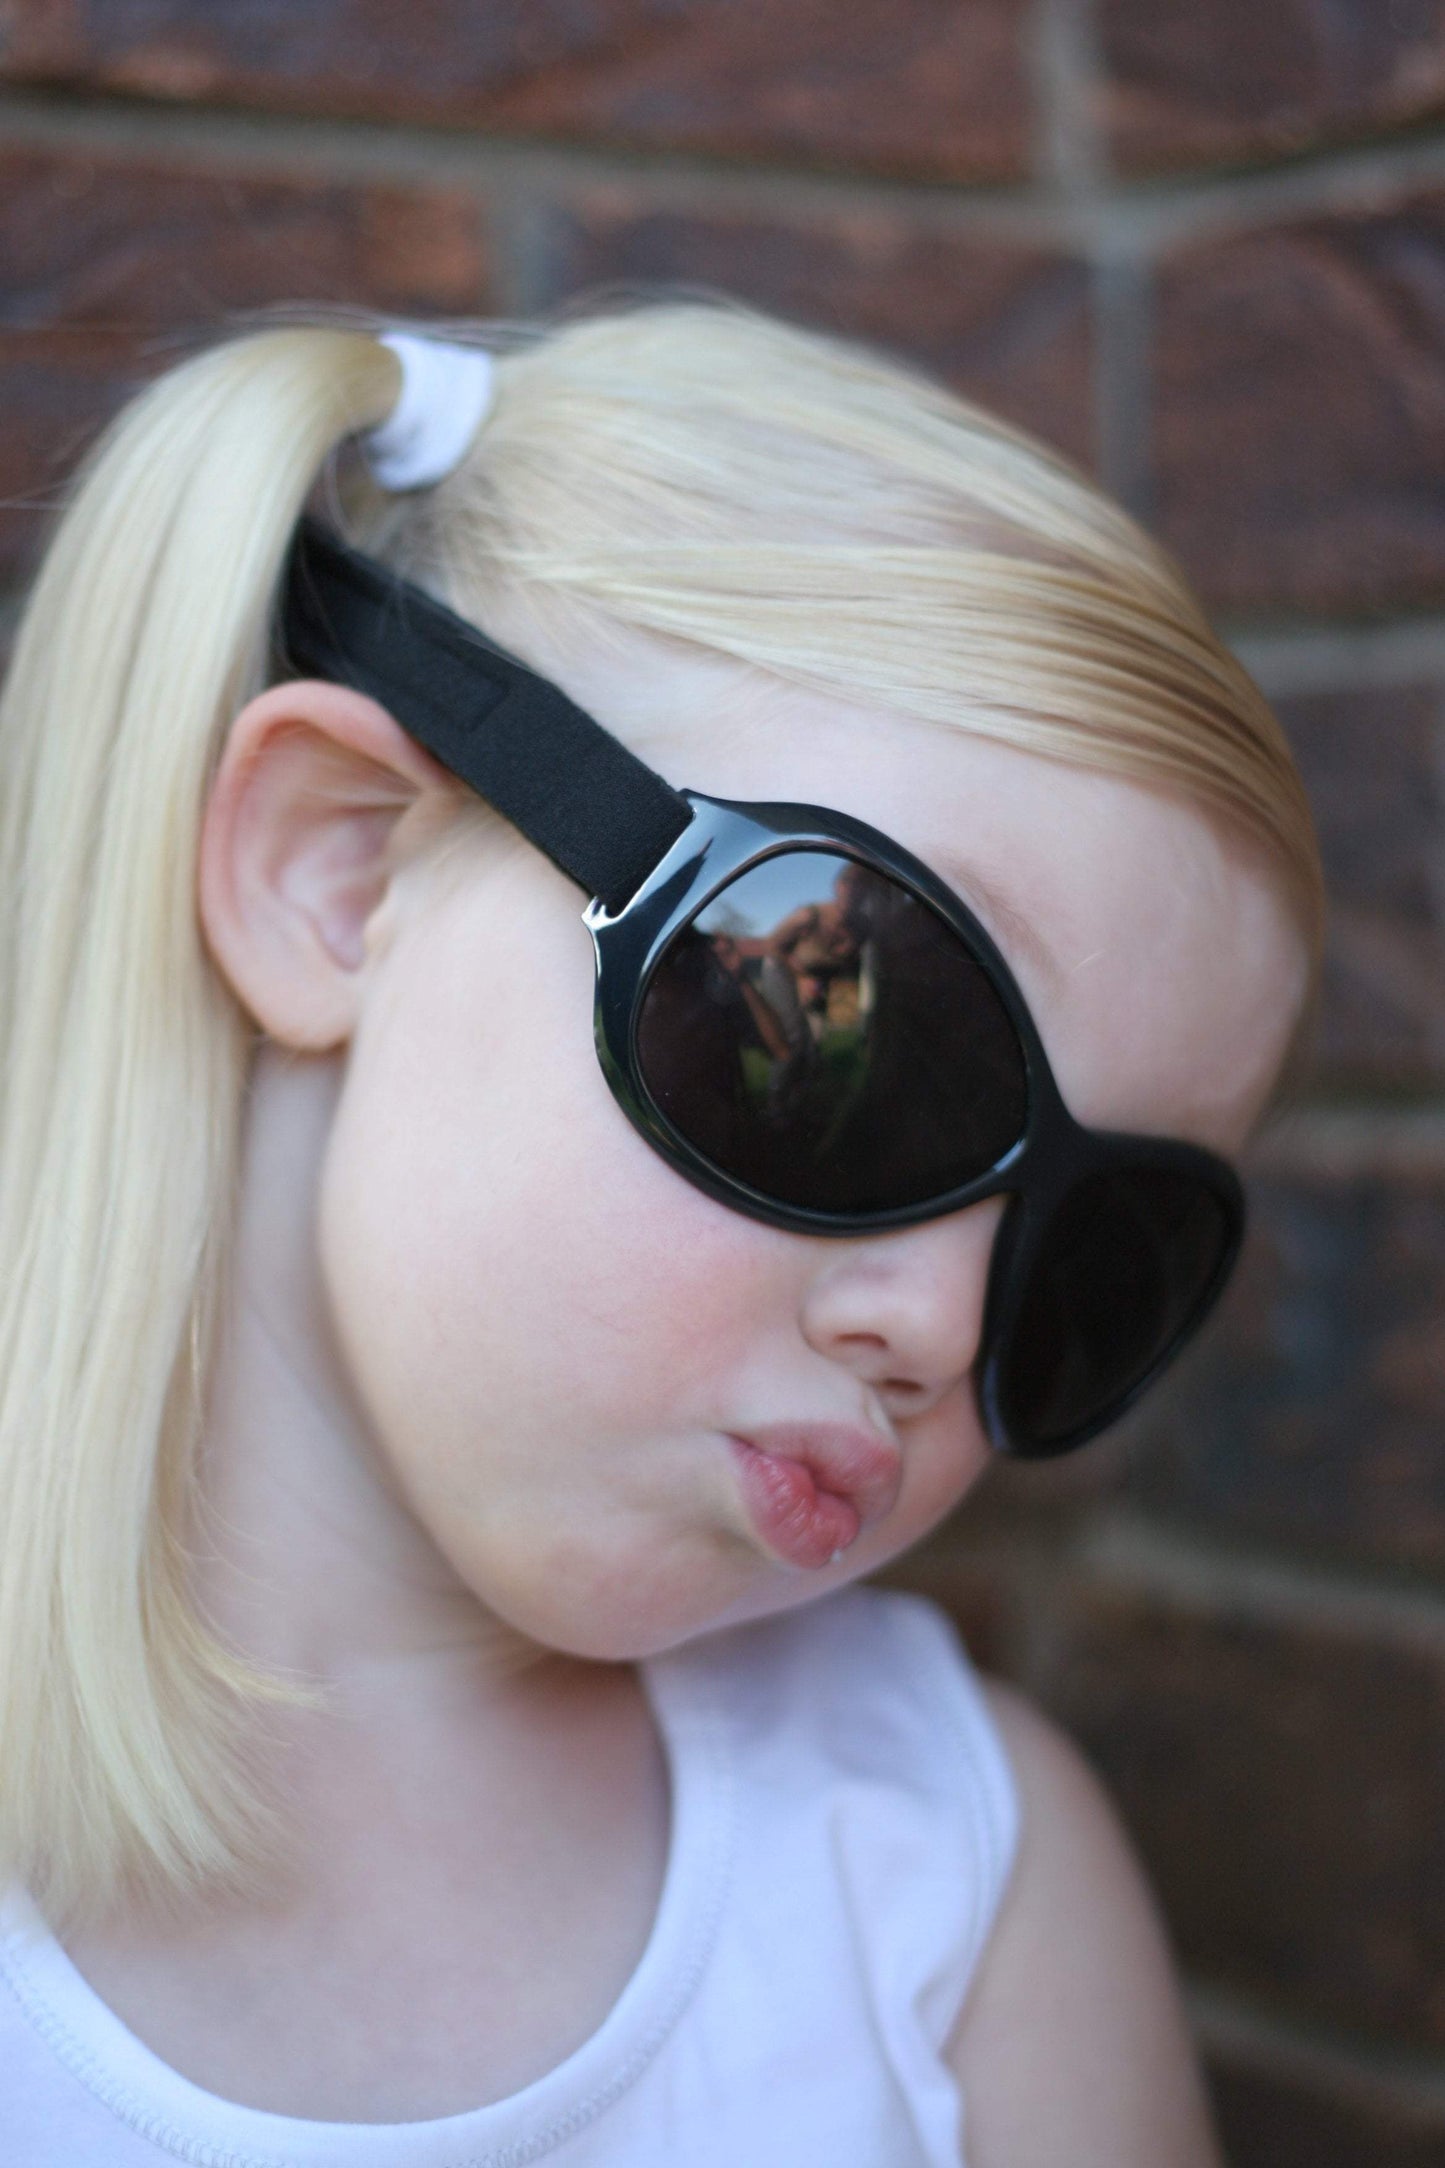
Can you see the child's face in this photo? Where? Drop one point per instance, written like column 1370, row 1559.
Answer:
column 557, row 1339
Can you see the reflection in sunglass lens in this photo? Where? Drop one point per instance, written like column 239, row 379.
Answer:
column 1126, row 1264
column 822, row 1034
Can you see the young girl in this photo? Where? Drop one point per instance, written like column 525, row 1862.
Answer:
column 442, row 1430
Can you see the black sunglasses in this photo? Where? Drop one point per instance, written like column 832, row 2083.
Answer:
column 805, row 1021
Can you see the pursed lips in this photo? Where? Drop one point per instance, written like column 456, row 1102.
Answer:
column 811, row 1488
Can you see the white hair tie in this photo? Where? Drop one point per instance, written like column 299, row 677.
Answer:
column 444, row 396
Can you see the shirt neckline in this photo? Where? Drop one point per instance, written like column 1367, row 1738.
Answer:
column 193, row 2125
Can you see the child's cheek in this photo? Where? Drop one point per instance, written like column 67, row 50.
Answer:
column 945, row 1456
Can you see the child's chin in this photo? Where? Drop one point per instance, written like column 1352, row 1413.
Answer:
column 616, row 1628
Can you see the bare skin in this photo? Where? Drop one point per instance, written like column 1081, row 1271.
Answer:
column 1073, row 2045
column 463, row 1463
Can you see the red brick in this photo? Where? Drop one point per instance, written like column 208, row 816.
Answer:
column 1005, row 321
column 928, row 87
column 1315, row 1414
column 1230, row 80
column 86, row 240
column 1299, row 431
column 110, row 267
column 55, row 390
column 1374, row 763
column 1270, row 2121
column 1283, row 1777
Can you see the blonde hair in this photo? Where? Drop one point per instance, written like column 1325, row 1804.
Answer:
column 689, row 470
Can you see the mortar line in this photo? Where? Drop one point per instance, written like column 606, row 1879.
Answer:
column 1364, row 2073
column 1064, row 70
column 446, row 153
column 1142, row 215
column 1347, row 1140
column 1068, row 85
column 1126, row 1549
column 1323, row 657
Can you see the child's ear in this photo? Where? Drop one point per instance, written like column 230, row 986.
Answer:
column 294, row 856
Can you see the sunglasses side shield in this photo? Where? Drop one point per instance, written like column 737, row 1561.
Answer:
column 1097, row 1284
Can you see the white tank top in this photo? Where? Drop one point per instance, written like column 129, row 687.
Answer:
column 842, row 1825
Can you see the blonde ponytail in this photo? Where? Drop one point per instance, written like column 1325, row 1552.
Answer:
column 123, row 1069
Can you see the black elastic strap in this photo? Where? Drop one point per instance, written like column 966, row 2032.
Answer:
column 597, row 811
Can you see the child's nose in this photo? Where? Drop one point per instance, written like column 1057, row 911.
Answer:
column 904, row 1310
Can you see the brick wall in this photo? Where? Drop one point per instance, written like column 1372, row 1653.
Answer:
column 1201, row 244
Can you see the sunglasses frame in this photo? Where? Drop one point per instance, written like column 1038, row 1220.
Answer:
column 1051, row 1155
column 651, row 858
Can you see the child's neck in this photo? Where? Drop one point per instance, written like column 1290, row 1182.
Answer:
column 474, row 1829
column 461, row 1907
column 309, row 1560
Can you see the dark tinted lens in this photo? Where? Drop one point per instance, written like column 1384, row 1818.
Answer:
column 822, row 1034
column 1126, row 1262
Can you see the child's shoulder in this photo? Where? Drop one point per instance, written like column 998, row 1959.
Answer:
column 867, row 1683
column 1073, row 2042
column 999, row 1849
column 860, row 1719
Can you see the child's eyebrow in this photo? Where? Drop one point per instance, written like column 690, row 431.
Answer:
column 1014, row 932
